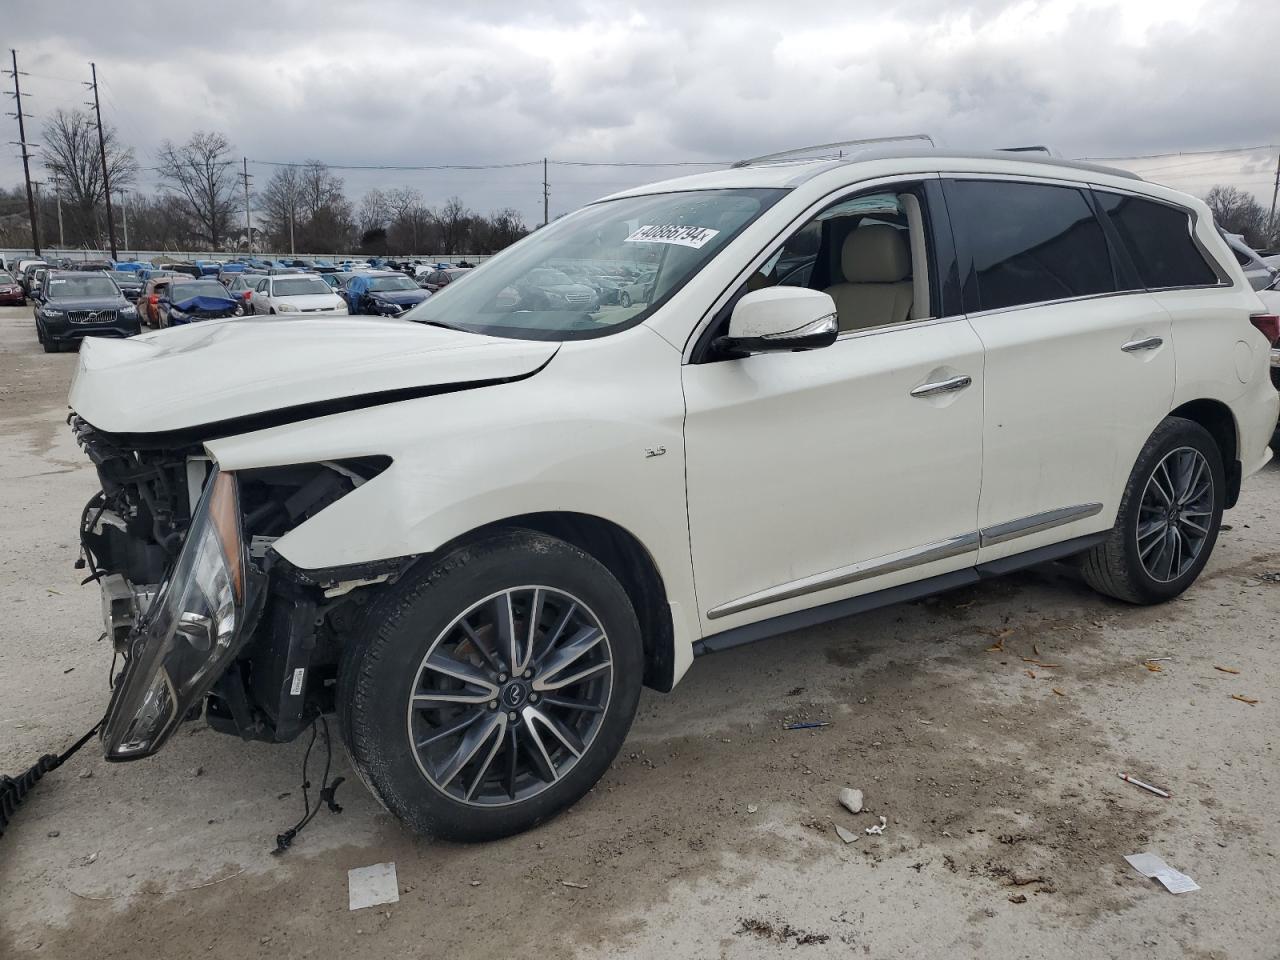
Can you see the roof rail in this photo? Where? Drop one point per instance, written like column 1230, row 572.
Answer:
column 838, row 146
column 1034, row 148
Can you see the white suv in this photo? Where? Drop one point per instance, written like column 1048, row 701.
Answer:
column 474, row 533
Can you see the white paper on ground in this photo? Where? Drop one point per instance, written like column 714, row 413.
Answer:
column 370, row 886
column 1150, row 865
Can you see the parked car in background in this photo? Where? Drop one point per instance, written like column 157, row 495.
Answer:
column 435, row 279
column 11, row 291
column 154, row 289
column 129, row 265
column 75, row 305
column 1257, row 270
column 383, row 294
column 24, row 271
column 130, row 283
column 549, row 289
column 188, row 301
column 36, row 285
column 295, row 293
column 337, row 281
column 240, row 286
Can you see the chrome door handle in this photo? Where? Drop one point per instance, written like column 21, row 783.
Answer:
column 1146, row 343
column 950, row 385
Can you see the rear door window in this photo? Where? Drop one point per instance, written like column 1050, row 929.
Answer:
column 1030, row 242
column 1159, row 239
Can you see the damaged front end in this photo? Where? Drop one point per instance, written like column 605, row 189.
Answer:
column 208, row 618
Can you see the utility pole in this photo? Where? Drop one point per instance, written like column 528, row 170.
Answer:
column 102, row 152
column 124, row 212
column 26, row 157
column 1271, row 220
column 57, row 190
column 248, row 224
column 546, row 195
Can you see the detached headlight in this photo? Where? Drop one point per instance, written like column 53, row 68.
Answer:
column 286, row 308
column 191, row 632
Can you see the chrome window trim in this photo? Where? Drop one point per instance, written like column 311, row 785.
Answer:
column 781, row 237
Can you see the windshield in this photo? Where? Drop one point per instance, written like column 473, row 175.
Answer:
column 87, row 286
column 299, row 287
column 6, row 277
column 392, row 283
column 185, row 291
column 650, row 245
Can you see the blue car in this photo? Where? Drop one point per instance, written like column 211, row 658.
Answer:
column 383, row 294
column 187, row 301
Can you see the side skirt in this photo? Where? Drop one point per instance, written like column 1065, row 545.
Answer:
column 800, row 619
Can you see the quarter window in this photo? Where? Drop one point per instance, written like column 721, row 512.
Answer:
column 1158, row 237
column 1030, row 242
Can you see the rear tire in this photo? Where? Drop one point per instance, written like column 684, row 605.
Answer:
column 450, row 738
column 1168, row 520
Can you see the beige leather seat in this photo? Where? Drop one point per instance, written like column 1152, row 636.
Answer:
column 877, row 286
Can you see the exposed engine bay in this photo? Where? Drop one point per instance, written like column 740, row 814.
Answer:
column 287, row 625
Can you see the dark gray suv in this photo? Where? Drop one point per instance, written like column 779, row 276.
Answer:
column 72, row 306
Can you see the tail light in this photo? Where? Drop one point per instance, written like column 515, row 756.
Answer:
column 153, row 299
column 248, row 294
column 1269, row 324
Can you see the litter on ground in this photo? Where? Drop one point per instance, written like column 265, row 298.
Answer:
column 1152, row 866
column 878, row 829
column 1243, row 699
column 1145, row 786
column 372, row 885
column 848, row 836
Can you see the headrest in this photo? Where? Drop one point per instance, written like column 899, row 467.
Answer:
column 876, row 253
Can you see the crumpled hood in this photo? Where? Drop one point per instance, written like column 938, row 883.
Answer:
column 206, row 303
column 218, row 370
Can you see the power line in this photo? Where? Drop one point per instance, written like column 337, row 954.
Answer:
column 1185, row 153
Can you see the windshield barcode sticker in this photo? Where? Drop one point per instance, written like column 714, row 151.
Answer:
column 684, row 236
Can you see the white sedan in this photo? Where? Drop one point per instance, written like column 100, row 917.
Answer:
column 295, row 293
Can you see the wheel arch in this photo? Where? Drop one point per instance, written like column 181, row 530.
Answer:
column 622, row 553
column 1217, row 418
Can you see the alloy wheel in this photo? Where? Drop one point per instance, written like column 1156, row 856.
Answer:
column 1175, row 514
column 510, row 695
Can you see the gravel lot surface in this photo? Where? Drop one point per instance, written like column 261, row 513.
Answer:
column 714, row 833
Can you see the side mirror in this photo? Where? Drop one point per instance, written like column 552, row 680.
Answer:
column 781, row 318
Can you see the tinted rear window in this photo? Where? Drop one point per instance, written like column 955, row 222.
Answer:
column 1030, row 242
column 1158, row 237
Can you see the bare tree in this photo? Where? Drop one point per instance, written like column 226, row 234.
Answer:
column 70, row 153
column 374, row 211
column 280, row 204
column 454, row 219
column 1237, row 211
column 200, row 171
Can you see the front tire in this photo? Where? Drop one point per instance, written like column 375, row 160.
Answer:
column 492, row 690
column 1168, row 521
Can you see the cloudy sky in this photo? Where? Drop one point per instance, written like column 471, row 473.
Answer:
column 417, row 84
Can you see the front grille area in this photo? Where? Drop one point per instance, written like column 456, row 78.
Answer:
column 92, row 316
column 577, row 297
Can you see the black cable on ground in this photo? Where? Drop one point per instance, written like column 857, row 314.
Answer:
column 13, row 790
column 327, row 789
